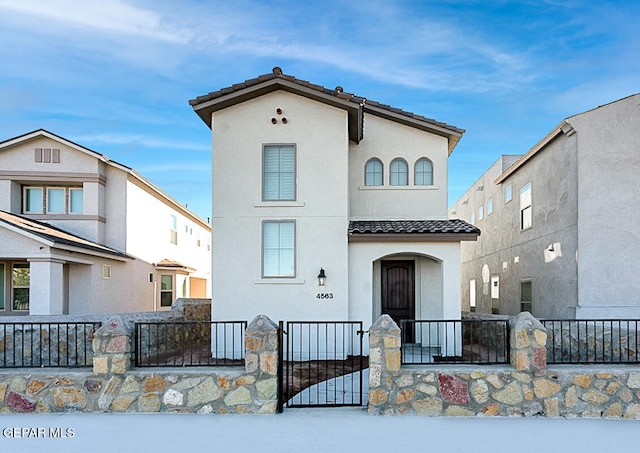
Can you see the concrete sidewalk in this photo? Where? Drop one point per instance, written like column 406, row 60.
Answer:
column 310, row 430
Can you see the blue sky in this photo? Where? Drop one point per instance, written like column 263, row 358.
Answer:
column 116, row 75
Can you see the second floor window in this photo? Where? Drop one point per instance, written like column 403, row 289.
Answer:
column 279, row 173
column 525, row 207
column 173, row 231
column 52, row 200
column 398, row 173
column 424, row 172
column 373, row 173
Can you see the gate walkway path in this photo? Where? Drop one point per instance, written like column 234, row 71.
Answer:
column 313, row 430
column 335, row 391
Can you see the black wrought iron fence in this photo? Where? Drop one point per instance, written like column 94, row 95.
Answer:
column 455, row 341
column 47, row 344
column 219, row 343
column 591, row 341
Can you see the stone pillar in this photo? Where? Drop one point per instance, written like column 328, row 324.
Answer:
column 261, row 360
column 112, row 347
column 528, row 343
column 384, row 361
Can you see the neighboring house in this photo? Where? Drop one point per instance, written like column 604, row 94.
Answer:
column 311, row 182
column 80, row 233
column 560, row 223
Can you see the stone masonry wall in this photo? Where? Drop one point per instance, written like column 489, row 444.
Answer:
column 466, row 390
column 113, row 387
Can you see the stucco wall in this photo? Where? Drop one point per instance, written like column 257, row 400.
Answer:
column 319, row 133
column 513, row 255
column 609, row 199
column 386, row 141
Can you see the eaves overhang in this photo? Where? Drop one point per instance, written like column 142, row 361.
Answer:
column 563, row 128
column 205, row 106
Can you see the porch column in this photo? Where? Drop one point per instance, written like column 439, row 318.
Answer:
column 46, row 287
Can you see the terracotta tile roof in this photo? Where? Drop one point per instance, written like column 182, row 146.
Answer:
column 414, row 227
column 338, row 92
column 56, row 235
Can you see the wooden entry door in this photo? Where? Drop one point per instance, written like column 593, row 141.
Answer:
column 398, row 292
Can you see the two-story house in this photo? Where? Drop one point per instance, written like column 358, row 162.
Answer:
column 80, row 233
column 328, row 206
column 559, row 223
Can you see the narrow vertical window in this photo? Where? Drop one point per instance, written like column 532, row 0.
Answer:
column 507, row 194
column 473, row 218
column 1, row 286
column 173, row 231
column 398, row 173
column 20, row 282
column 490, row 206
column 106, row 271
column 495, row 295
column 278, row 249
column 472, row 295
column 480, row 213
column 373, row 173
column 525, row 207
column 526, row 296
column 76, row 201
column 166, row 290
column 424, row 172
column 33, row 201
column 279, row 173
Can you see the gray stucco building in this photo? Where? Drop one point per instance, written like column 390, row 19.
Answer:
column 560, row 224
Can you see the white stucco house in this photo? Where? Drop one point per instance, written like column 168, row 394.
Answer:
column 80, row 233
column 560, row 223
column 310, row 182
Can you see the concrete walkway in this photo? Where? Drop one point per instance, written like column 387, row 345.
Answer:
column 313, row 430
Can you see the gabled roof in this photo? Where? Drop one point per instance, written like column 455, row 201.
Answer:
column 355, row 105
column 137, row 177
column 56, row 237
column 564, row 127
column 413, row 230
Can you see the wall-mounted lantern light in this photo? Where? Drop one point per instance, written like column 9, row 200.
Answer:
column 322, row 277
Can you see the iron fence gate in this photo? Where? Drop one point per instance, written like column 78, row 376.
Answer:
column 321, row 364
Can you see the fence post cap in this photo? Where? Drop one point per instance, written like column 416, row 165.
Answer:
column 385, row 323
column 115, row 325
column 261, row 323
column 525, row 321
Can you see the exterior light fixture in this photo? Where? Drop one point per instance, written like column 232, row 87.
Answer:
column 322, row 277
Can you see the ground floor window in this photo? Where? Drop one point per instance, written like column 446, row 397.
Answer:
column 472, row 295
column 166, row 290
column 526, row 296
column 20, row 279
column 1, row 286
column 495, row 295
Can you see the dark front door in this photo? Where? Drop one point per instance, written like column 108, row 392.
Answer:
column 398, row 293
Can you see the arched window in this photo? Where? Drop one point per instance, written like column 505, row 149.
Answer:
column 373, row 172
column 424, row 172
column 398, row 173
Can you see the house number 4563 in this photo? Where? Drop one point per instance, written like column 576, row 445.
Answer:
column 324, row 296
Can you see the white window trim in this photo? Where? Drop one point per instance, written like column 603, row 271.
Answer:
column 295, row 173
column 526, row 204
column 366, row 164
column 289, row 278
column 44, row 209
column 106, row 272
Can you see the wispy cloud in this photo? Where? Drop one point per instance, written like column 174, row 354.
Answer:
column 114, row 16
column 141, row 140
